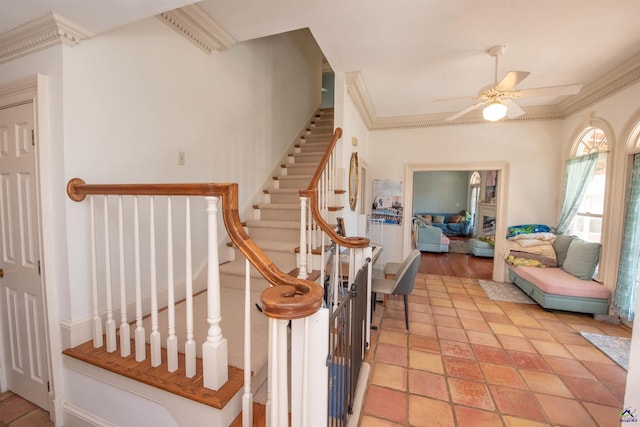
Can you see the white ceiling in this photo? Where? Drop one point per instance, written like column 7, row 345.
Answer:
column 409, row 52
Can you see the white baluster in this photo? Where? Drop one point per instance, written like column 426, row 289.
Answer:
column 141, row 348
column 310, row 241
column 302, row 271
column 214, row 350
column 282, row 366
column 125, row 331
column 97, row 320
column 270, row 373
column 154, row 337
column 247, row 397
column 190, row 344
column 110, row 324
column 273, row 405
column 172, row 340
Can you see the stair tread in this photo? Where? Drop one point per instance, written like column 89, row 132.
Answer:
column 273, row 224
column 275, row 206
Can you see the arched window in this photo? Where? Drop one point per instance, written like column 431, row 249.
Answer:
column 474, row 196
column 587, row 223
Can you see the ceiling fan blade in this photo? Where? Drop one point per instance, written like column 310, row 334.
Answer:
column 456, row 99
column 511, row 80
column 465, row 111
column 548, row 91
column 513, row 109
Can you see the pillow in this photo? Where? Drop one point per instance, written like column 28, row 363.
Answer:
column 561, row 246
column 426, row 217
column 419, row 221
column 582, row 259
column 438, row 219
column 427, row 221
column 456, row 219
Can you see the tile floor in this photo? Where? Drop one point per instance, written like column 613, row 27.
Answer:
column 17, row 412
column 470, row 361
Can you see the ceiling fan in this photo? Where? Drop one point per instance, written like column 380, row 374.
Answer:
column 498, row 97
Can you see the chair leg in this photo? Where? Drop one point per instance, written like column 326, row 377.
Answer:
column 373, row 305
column 406, row 311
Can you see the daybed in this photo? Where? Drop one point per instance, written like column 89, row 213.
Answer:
column 483, row 247
column 451, row 224
column 429, row 238
column 560, row 279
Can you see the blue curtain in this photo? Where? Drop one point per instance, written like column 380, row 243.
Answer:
column 624, row 297
column 579, row 173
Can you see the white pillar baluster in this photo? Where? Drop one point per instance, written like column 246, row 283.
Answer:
column 247, row 397
column 302, row 271
column 110, row 324
column 125, row 330
column 154, row 337
column 190, row 344
column 282, row 367
column 141, row 348
column 309, row 240
column 172, row 340
column 214, row 350
column 97, row 320
column 270, row 373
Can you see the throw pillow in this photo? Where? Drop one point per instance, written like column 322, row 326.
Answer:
column 582, row 259
column 438, row 219
column 456, row 219
column 427, row 217
column 561, row 246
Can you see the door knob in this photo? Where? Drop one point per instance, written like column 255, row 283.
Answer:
column 1, row 273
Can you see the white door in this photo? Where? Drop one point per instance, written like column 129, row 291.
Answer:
column 24, row 345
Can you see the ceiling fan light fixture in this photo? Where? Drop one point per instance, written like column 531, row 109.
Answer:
column 494, row 111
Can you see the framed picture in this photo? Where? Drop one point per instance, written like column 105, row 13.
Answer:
column 387, row 201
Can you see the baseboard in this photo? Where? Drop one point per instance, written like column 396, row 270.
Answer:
column 76, row 417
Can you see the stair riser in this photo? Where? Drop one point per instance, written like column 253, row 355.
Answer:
column 299, row 170
column 258, row 284
column 293, row 183
column 279, row 234
column 306, row 158
column 284, row 198
column 309, row 148
column 280, row 214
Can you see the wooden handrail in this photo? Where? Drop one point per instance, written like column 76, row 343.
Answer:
column 290, row 298
column 312, row 194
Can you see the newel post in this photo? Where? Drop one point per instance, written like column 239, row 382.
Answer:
column 214, row 350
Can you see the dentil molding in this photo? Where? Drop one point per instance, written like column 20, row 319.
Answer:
column 38, row 34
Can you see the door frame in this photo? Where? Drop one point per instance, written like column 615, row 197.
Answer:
column 34, row 89
column 500, row 273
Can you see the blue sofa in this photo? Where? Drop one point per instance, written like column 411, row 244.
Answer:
column 450, row 229
column 428, row 238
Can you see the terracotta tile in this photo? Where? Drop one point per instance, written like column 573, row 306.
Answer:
column 449, row 321
column 391, row 354
column 470, row 314
column 418, row 342
column 454, row 334
column 615, row 331
column 470, row 393
column 394, row 313
column 618, row 390
column 588, row 354
column 386, row 403
column 519, row 403
column 463, row 297
column 538, row 334
column 529, row 361
column 605, row 416
column 428, row 384
column 462, row 368
column 555, row 326
column 483, row 338
column 570, row 337
column 470, row 417
column 475, row 325
column 565, row 412
column 14, row 407
column 544, row 382
column 607, row 372
column 393, row 324
column 464, row 304
column 491, row 354
column 510, row 421
column 367, row 421
column 419, row 308
column 502, row 375
column 501, row 329
column 426, row 361
column 398, row 339
column 489, row 308
column 425, row 412
column 423, row 329
column 391, row 376
column 441, row 302
column 591, row 391
column 37, row 418
column 497, row 318
column 439, row 295
column 515, row 343
column 445, row 311
column 522, row 320
column 551, row 349
column 418, row 317
column 456, row 349
column 582, row 327
column 568, row 367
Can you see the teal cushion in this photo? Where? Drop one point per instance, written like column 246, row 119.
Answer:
column 561, row 246
column 582, row 259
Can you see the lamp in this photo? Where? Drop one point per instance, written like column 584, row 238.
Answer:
column 494, row 111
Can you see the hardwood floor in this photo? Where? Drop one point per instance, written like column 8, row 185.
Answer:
column 459, row 265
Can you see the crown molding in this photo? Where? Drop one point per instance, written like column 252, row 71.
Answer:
column 195, row 24
column 611, row 83
column 38, row 34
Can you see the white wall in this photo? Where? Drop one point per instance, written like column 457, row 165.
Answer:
column 135, row 96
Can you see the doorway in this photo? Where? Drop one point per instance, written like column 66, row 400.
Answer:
column 24, row 358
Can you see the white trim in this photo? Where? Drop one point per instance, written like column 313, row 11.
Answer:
column 76, row 417
column 40, row 33
column 193, row 23
column 502, row 191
